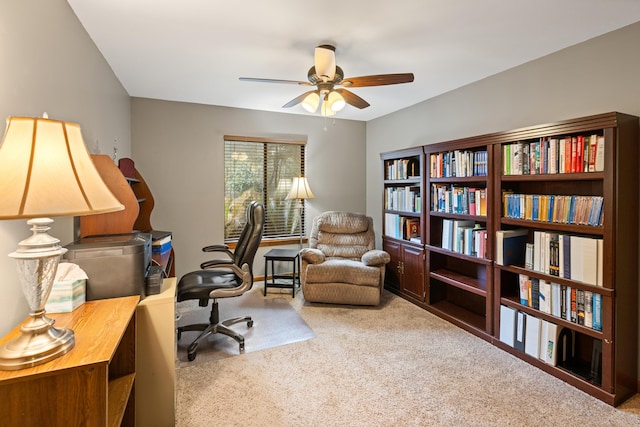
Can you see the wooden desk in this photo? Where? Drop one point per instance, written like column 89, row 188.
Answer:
column 92, row 385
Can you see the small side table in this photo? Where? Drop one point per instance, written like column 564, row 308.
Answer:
column 282, row 280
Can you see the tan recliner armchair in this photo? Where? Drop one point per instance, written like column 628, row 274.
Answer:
column 341, row 264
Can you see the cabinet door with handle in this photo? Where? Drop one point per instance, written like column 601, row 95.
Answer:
column 413, row 272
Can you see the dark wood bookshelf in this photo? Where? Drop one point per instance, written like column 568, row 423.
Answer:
column 469, row 291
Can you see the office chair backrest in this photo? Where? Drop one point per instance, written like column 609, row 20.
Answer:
column 241, row 245
column 250, row 237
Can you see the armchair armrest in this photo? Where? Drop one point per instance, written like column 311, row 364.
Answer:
column 312, row 255
column 376, row 257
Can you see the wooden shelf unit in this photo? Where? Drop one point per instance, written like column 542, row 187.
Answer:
column 92, row 385
column 403, row 173
column 459, row 282
column 618, row 185
column 468, row 291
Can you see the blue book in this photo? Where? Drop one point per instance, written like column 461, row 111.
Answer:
column 597, row 312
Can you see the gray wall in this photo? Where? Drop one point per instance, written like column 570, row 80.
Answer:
column 597, row 76
column 178, row 149
column 49, row 63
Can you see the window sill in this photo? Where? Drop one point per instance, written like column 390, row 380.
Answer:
column 272, row 242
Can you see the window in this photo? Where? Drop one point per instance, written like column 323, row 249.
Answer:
column 262, row 169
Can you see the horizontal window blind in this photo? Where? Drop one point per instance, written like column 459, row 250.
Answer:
column 261, row 169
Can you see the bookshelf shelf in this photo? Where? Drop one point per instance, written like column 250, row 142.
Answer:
column 468, row 284
column 593, row 157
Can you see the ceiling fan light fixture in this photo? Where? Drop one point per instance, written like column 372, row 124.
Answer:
column 336, row 101
column 311, row 102
column 326, row 111
column 325, row 62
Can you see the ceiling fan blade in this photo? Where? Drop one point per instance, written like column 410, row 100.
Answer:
column 295, row 82
column 325, row 62
column 298, row 99
column 378, row 80
column 352, row 99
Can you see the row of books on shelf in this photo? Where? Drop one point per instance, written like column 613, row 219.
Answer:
column 574, row 305
column 402, row 227
column 571, row 257
column 581, row 210
column 548, row 342
column 465, row 237
column 458, row 163
column 403, row 168
column 405, row 199
column 570, row 154
column 459, row 200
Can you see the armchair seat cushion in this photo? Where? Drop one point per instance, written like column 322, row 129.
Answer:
column 339, row 270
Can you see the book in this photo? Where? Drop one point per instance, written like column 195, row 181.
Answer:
column 524, row 284
column 584, row 259
column 535, row 293
column 510, row 246
column 458, row 234
column 551, row 343
column 412, row 228
column 573, row 305
column 600, row 256
column 556, row 299
column 580, row 309
column 532, row 336
column 447, row 232
column 518, row 341
column 544, row 296
column 588, row 309
column 599, row 160
column 507, row 325
column 544, row 330
column 597, row 312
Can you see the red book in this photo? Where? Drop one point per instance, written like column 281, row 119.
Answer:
column 580, row 154
column 574, row 153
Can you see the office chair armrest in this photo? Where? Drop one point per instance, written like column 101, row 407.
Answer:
column 216, row 263
column 375, row 257
column 246, row 284
column 312, row 255
column 218, row 248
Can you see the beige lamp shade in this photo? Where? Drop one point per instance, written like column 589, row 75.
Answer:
column 300, row 189
column 46, row 170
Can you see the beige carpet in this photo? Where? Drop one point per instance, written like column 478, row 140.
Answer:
column 275, row 323
column 396, row 365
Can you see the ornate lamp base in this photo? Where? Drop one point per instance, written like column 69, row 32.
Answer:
column 39, row 343
column 37, row 258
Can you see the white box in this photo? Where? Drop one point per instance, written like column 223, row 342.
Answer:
column 66, row 296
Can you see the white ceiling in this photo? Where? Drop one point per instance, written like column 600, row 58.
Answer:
column 195, row 50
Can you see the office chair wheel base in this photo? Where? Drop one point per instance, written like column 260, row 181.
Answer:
column 241, row 347
column 191, row 356
column 250, row 324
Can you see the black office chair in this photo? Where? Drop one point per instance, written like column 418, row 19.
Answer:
column 223, row 279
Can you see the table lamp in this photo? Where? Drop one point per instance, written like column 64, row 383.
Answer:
column 45, row 170
column 300, row 190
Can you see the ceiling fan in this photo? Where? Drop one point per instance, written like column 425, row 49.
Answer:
column 328, row 78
